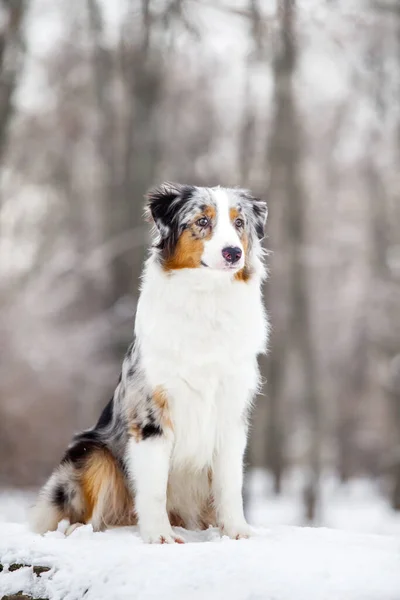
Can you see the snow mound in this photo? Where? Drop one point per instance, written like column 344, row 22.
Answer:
column 285, row 563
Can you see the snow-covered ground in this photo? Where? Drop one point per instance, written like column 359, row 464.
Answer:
column 281, row 562
column 284, row 563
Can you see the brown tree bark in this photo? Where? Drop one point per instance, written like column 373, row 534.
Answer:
column 289, row 295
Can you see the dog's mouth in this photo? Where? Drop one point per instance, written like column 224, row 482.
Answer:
column 226, row 267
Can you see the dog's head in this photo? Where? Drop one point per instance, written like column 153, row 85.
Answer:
column 206, row 228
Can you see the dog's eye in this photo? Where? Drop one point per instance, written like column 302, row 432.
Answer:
column 239, row 223
column 202, row 222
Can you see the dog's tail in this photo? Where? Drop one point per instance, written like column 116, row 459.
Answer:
column 87, row 487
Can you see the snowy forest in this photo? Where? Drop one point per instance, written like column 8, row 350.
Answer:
column 296, row 100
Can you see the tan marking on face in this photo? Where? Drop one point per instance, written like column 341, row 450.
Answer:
column 161, row 401
column 209, row 212
column 245, row 273
column 234, row 214
column 188, row 253
column 190, row 246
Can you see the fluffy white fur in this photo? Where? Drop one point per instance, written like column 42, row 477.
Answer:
column 199, row 332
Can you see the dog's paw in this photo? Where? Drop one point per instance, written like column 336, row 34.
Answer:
column 237, row 532
column 71, row 528
column 161, row 537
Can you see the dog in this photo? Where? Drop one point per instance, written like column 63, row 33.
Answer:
column 168, row 448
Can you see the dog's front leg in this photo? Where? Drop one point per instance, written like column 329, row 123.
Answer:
column 228, row 482
column 148, row 463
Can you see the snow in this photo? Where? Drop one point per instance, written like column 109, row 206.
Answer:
column 284, row 563
column 356, row 558
column 14, row 504
column 357, row 506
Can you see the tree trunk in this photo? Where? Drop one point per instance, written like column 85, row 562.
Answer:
column 288, row 296
column 11, row 61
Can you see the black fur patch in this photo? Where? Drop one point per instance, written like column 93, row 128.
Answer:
column 106, row 416
column 165, row 201
column 82, row 447
column 259, row 212
column 187, row 193
column 59, row 496
column 151, row 430
column 165, row 204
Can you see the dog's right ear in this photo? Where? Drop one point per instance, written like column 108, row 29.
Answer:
column 163, row 203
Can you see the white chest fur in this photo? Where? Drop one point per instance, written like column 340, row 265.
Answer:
column 199, row 334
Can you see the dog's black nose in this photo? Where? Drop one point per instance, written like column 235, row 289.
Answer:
column 231, row 255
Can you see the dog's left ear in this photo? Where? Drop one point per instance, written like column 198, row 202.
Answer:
column 259, row 212
column 163, row 203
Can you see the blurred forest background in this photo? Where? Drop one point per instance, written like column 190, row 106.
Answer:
column 298, row 100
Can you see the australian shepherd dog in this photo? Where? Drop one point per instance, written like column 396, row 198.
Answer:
column 168, row 448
